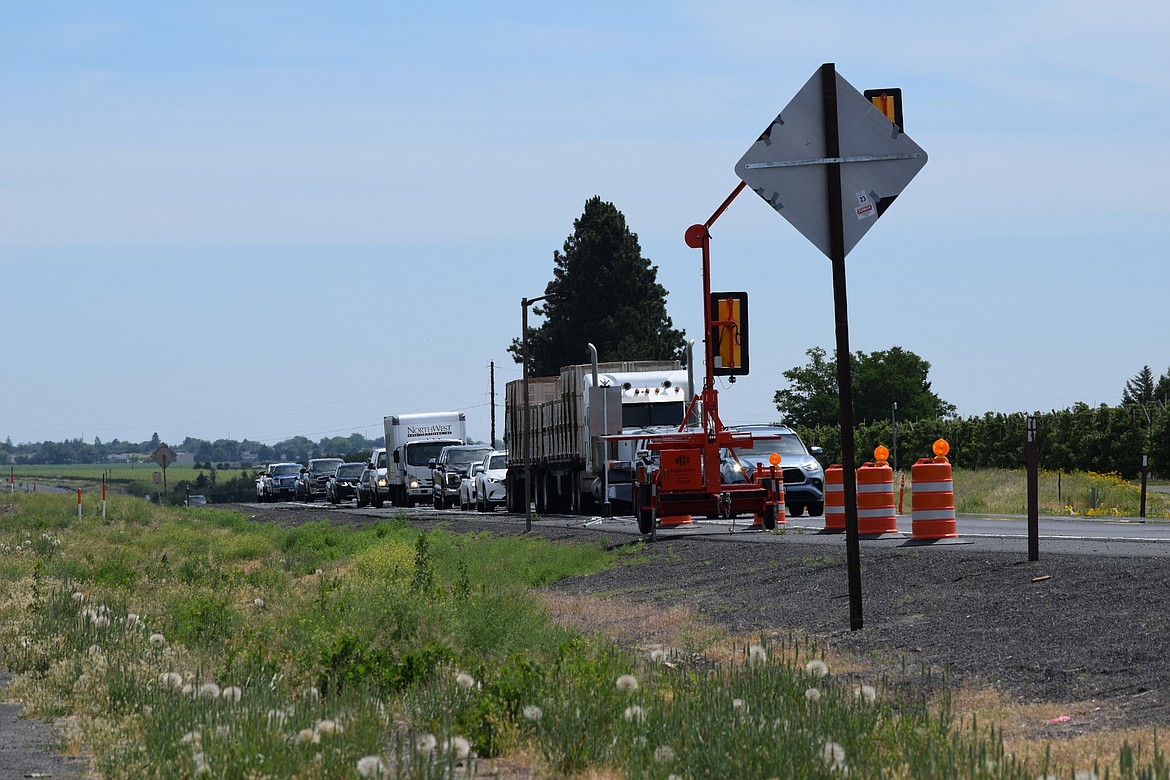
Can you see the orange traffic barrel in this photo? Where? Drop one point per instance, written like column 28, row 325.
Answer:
column 762, row 476
column 834, row 498
column 932, row 499
column 875, row 499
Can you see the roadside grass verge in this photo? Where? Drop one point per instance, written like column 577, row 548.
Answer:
column 1004, row 491
column 188, row 642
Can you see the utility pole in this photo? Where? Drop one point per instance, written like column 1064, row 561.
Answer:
column 492, row 365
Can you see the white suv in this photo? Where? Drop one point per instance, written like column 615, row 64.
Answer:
column 491, row 478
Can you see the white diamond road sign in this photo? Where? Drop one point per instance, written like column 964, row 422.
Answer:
column 786, row 166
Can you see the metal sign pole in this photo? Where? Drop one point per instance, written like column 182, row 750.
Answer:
column 841, row 316
column 1033, row 461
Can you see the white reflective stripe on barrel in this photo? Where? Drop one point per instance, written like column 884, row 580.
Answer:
column 887, row 511
column 932, row 487
column 834, row 487
column 875, row 487
column 933, row 514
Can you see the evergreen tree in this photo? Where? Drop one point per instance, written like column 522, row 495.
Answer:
column 605, row 292
column 1162, row 389
column 1139, row 389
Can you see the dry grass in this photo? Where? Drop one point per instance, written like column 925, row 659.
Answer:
column 1085, row 738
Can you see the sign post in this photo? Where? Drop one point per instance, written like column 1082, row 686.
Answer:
column 829, row 153
column 164, row 456
column 1032, row 456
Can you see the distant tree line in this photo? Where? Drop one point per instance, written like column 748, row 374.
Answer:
column 1081, row 438
column 221, row 451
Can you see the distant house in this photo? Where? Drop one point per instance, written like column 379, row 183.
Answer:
column 118, row 457
column 185, row 457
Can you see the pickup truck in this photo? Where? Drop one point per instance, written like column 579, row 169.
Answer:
column 312, row 480
column 278, row 481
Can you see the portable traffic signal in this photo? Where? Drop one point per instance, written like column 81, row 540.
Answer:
column 729, row 333
column 889, row 102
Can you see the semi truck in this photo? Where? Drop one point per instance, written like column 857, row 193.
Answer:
column 581, row 440
column 412, row 441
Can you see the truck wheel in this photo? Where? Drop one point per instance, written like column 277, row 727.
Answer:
column 816, row 509
column 378, row 500
column 770, row 513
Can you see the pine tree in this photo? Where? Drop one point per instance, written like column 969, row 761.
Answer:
column 605, row 292
column 1140, row 389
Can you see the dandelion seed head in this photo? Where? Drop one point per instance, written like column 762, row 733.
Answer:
column 627, row 683
column 194, row 737
column 157, row 640
column 635, row 714
column 757, row 655
column 458, row 747
column 171, row 680
column 370, row 766
column 209, row 690
column 813, row 695
column 816, row 668
column 259, row 604
column 132, row 620
column 737, row 704
column 276, row 717
column 78, row 596
column 232, row 693
column 465, row 681
column 426, row 744
column 202, row 767
column 533, row 713
column 328, row 727
column 307, row 736
column 866, row 693
column 658, row 655
column 833, row 755
column 188, row 690
column 664, row 754
column 311, row 693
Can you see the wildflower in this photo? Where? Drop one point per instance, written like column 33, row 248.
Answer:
column 465, row 681
column 627, row 683
column 209, row 690
column 426, row 744
column 833, row 755
column 635, row 714
column 813, row 695
column 533, row 713
column 458, row 747
column 664, row 754
column 232, row 693
column 157, row 640
column 171, row 679
column 816, row 668
column 866, row 693
column 371, row 766
column 757, row 655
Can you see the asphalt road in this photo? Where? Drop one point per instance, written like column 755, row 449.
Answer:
column 1131, row 537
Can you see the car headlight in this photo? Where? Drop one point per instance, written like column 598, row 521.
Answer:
column 736, row 467
column 413, row 484
column 811, row 467
column 381, row 482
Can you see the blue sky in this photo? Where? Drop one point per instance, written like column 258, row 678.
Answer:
column 263, row 219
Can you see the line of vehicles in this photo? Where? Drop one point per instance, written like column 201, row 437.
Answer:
column 593, row 440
